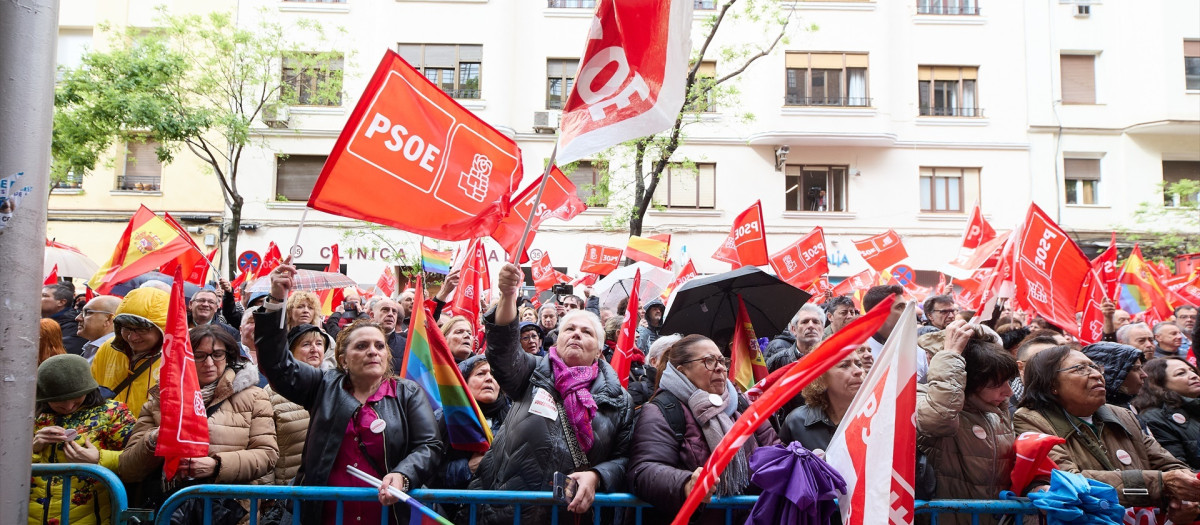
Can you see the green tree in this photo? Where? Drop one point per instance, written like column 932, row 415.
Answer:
column 1174, row 222
column 199, row 82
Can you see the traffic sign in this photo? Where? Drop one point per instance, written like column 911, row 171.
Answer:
column 903, row 274
column 249, row 261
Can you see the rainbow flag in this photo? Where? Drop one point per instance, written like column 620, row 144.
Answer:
column 434, row 261
column 429, row 363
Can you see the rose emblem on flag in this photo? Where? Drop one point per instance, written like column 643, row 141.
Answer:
column 475, row 183
column 469, row 291
column 147, row 242
column 592, row 254
column 198, row 403
column 790, row 263
column 1037, row 292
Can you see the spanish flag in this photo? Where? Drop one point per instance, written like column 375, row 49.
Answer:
column 330, row 299
column 1143, row 291
column 746, row 366
column 148, row 242
column 653, row 249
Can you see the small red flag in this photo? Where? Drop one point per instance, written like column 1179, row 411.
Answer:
column 183, row 430
column 545, row 275
column 330, row 299
column 1032, row 451
column 409, row 142
column 52, row 278
column 1108, row 270
column 599, row 259
column 882, row 251
column 687, row 273
column 387, row 282
column 1091, row 327
column 746, row 244
column 804, row 262
column 271, row 260
column 978, row 230
column 1051, row 270
column 859, row 281
column 473, row 280
column 559, row 201
column 625, row 341
column 89, row 294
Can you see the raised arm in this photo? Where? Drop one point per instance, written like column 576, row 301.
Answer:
column 511, row 366
column 294, row 380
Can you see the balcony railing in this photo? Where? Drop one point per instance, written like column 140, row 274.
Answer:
column 589, row 4
column 791, row 100
column 925, row 8
column 138, row 182
column 929, row 111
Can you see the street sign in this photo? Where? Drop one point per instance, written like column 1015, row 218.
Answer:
column 903, row 274
column 249, row 261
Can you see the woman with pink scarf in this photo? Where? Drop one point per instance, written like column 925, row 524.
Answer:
column 569, row 413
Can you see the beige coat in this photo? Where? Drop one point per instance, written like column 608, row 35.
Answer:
column 968, row 443
column 1119, row 432
column 241, row 433
column 291, row 428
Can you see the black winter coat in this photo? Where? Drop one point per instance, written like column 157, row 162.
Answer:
column 1182, row 440
column 412, row 447
column 70, row 330
column 781, row 342
column 530, row 448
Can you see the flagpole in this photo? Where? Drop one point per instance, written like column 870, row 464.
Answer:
column 290, row 259
column 516, row 258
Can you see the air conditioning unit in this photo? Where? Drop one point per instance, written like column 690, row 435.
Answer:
column 275, row 116
column 546, row 121
column 1083, row 10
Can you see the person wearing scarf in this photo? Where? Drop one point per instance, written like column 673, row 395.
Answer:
column 569, row 413
column 664, row 469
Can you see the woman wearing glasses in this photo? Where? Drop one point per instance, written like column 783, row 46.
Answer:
column 1065, row 396
column 676, row 432
column 242, row 447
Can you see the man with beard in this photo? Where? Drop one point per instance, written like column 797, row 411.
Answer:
column 808, row 325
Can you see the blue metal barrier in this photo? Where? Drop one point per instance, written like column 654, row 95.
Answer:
column 116, row 490
column 976, row 508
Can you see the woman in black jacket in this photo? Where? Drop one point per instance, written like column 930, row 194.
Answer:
column 359, row 414
column 1123, row 373
column 569, row 412
column 1169, row 406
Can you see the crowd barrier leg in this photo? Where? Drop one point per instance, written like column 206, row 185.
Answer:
column 118, row 500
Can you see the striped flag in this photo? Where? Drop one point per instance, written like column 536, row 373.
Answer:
column 330, row 299
column 653, row 249
column 747, row 366
column 148, row 243
column 435, row 261
column 429, row 363
column 1142, row 291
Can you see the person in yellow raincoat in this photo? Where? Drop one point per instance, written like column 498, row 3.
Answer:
column 128, row 363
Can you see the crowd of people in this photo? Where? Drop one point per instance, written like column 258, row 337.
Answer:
column 294, row 398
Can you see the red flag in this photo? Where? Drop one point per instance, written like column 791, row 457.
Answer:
column 330, row 299
column 544, row 274
column 631, row 78
column 1091, row 327
column 183, row 430
column 804, row 262
column 585, row 280
column 1146, row 287
column 978, row 230
column 559, row 201
column 600, row 259
column 830, row 352
column 52, row 278
column 1109, row 271
column 882, row 251
column 1051, row 270
column 941, row 286
column 409, row 142
column 89, row 294
column 687, row 273
column 986, row 255
column 237, row 285
column 746, row 365
column 187, row 260
column 859, row 281
column 1032, row 452
column 625, row 341
column 746, row 244
column 872, row 447
column 387, row 282
column 271, row 260
column 652, row 250
column 473, row 280
column 1185, row 287
column 148, row 242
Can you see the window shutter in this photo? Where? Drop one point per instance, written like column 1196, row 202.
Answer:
column 411, row 53
column 295, row 175
column 1082, row 169
column 853, row 60
column 827, row 61
column 142, row 160
column 1191, row 48
column 707, row 186
column 470, row 53
column 440, row 56
column 797, row 60
column 1078, row 79
column 708, row 69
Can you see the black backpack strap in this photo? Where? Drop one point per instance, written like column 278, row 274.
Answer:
column 672, row 410
column 137, row 372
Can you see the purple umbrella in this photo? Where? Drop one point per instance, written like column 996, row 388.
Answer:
column 798, row 487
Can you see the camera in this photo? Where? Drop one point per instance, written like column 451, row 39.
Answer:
column 815, row 190
column 562, row 289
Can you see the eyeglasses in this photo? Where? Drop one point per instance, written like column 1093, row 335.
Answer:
column 1083, row 369
column 530, row 337
column 710, row 362
column 217, row 357
column 204, row 301
column 947, row 311
column 88, row 311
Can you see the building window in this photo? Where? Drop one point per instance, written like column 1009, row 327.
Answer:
column 560, row 78
column 588, row 178
column 948, row 189
column 687, row 186
column 295, row 176
column 1082, row 180
column 706, row 5
column 815, row 188
column 453, row 68
column 706, row 76
column 948, row 91
column 72, row 45
column 826, row 79
column 312, row 79
column 1191, row 64
column 948, row 7
column 143, row 171
column 1174, row 172
column 1078, row 79
column 570, row 4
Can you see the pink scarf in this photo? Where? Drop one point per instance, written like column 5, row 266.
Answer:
column 572, row 383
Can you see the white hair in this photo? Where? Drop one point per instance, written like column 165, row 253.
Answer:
column 660, row 346
column 810, row 308
column 590, row 317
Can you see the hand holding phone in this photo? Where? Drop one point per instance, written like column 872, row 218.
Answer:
column 564, row 488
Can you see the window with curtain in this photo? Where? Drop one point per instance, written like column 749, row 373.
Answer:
column 948, row 7
column 588, row 178
column 143, row 171
column 1082, row 181
column 313, row 81
column 560, row 78
column 815, row 188
column 948, row 91
column 687, row 187
column 1078, row 78
column 1174, row 172
column 1191, row 64
column 826, row 79
column 948, row 190
column 455, row 68
column 295, row 175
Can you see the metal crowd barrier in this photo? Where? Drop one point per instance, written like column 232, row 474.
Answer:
column 116, row 489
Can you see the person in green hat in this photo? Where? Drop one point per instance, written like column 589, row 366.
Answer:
column 74, row 424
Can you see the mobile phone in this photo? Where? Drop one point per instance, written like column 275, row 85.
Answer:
column 564, row 487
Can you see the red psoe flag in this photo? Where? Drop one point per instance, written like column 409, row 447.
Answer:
column 1032, row 451
column 859, row 281
column 473, row 280
column 545, row 275
column 804, row 262
column 412, row 158
column 687, row 273
column 600, row 260
column 1091, row 327
column 631, row 78
column 1050, row 270
column 387, row 282
column 52, row 278
column 1108, row 270
column 183, row 430
column 978, row 230
column 625, row 340
column 559, row 201
column 746, row 244
column 271, row 260
column 882, row 251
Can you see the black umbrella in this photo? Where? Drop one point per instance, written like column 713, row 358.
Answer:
column 123, row 288
column 708, row 305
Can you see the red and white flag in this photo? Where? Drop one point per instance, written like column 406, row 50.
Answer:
column 632, row 76
column 52, row 278
column 599, row 259
column 387, row 282
column 746, row 244
column 622, row 357
column 1108, row 270
column 559, row 201
column 1091, row 326
column 882, row 251
column 183, row 430
column 687, row 273
column 473, row 280
column 1032, row 451
column 804, row 262
column 873, row 446
column 1050, row 270
column 545, row 275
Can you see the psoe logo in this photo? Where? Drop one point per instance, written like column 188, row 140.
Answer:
column 198, row 404
column 475, row 183
column 147, row 242
column 1037, row 292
